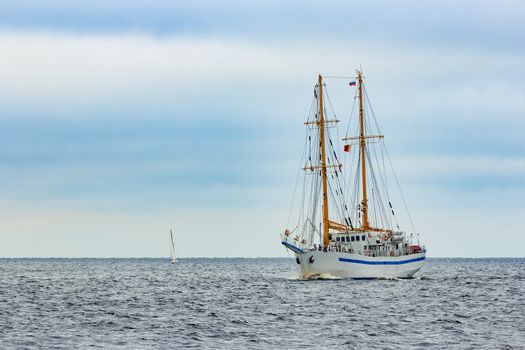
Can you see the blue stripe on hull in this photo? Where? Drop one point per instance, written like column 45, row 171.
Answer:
column 292, row 247
column 365, row 262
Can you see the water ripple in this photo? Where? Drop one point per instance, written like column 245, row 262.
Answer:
column 256, row 304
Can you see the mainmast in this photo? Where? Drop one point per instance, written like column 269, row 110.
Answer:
column 362, row 139
column 362, row 147
column 326, row 222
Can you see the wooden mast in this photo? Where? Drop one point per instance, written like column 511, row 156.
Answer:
column 326, row 221
column 362, row 138
column 362, row 144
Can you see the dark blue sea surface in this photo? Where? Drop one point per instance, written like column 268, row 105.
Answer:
column 256, row 304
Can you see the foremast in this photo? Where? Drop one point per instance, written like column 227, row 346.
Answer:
column 326, row 221
column 321, row 123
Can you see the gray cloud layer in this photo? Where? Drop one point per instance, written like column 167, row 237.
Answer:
column 129, row 116
column 475, row 24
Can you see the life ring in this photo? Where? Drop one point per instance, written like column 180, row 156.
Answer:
column 391, row 253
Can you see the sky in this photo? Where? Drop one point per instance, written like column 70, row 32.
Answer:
column 120, row 120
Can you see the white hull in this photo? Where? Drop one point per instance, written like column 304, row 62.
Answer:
column 348, row 265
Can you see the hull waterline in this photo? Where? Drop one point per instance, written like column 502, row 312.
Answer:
column 347, row 265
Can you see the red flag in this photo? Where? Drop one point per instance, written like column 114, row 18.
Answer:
column 347, row 148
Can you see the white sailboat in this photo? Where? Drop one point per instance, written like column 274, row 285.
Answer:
column 346, row 224
column 173, row 257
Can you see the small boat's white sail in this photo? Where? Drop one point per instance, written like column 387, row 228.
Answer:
column 172, row 249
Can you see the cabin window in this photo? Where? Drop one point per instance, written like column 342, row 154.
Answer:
column 364, row 247
column 337, row 239
column 353, row 238
column 363, row 238
column 357, row 238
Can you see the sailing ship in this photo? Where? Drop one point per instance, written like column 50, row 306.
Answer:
column 173, row 257
column 346, row 224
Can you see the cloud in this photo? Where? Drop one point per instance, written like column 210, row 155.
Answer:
column 118, row 119
column 495, row 171
column 466, row 24
column 59, row 75
column 114, row 105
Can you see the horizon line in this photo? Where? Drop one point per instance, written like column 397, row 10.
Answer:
column 237, row 257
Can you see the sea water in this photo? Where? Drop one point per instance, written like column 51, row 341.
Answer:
column 256, row 304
